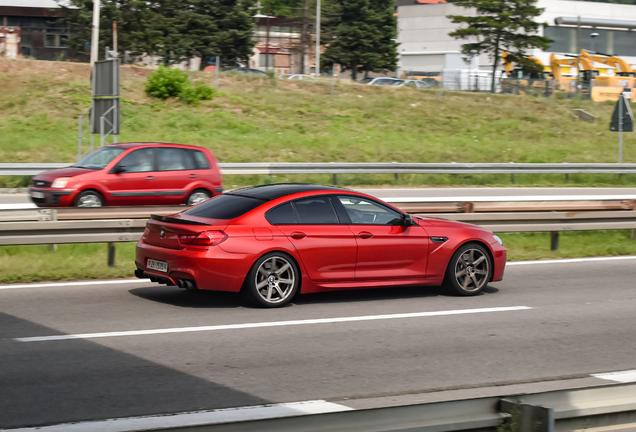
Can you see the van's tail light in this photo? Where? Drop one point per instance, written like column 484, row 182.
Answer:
column 205, row 238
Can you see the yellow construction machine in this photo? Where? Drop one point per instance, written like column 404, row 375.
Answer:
column 524, row 80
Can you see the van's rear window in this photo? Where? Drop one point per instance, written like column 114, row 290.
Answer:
column 225, row 206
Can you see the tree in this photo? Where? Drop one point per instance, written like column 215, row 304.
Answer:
column 500, row 25
column 175, row 30
column 364, row 35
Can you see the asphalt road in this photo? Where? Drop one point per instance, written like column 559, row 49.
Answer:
column 578, row 320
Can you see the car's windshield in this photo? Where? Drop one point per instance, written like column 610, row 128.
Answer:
column 99, row 159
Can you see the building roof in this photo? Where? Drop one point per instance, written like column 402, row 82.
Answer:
column 42, row 4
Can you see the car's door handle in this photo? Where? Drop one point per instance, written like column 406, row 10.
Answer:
column 193, row 175
column 298, row 235
column 150, row 178
column 365, row 235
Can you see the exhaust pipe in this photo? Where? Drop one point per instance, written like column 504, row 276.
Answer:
column 181, row 284
column 139, row 274
column 153, row 279
column 190, row 285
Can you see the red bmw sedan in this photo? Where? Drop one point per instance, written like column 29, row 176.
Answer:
column 273, row 241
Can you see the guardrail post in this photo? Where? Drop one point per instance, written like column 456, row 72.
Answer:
column 53, row 218
column 633, row 236
column 111, row 254
column 396, row 177
column 335, row 179
column 554, row 240
column 528, row 418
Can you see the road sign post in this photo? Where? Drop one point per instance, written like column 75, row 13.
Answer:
column 622, row 120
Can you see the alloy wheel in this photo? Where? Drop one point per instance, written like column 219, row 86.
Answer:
column 472, row 270
column 275, row 279
column 197, row 197
column 89, row 200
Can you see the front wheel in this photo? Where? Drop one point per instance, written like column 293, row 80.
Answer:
column 469, row 270
column 89, row 199
column 273, row 280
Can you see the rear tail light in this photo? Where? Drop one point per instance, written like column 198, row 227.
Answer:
column 205, row 238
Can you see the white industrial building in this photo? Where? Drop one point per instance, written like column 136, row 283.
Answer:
column 426, row 46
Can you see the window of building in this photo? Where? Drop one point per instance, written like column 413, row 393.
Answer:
column 56, row 40
column 263, row 60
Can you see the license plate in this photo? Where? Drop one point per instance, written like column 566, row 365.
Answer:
column 158, row 265
column 36, row 194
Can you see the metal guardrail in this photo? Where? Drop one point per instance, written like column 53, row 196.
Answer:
column 573, row 409
column 129, row 229
column 335, row 168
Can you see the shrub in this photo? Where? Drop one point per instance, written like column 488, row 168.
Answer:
column 166, row 82
column 192, row 95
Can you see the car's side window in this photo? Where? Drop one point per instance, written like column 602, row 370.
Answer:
column 362, row 211
column 316, row 211
column 174, row 159
column 200, row 159
column 142, row 160
column 282, row 215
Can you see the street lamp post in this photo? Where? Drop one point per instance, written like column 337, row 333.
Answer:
column 593, row 35
column 318, row 39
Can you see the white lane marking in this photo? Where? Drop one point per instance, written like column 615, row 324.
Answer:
column 71, row 284
column 196, row 418
column 269, row 324
column 18, row 206
column 510, row 198
column 621, row 376
column 571, row 260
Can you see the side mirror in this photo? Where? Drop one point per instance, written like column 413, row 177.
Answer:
column 119, row 169
column 408, row 220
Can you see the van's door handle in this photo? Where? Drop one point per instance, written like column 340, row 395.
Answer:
column 150, row 178
column 365, row 235
column 193, row 175
column 298, row 235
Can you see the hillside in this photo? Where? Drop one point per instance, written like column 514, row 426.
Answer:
column 260, row 120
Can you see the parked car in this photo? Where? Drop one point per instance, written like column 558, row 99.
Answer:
column 410, row 83
column 273, row 241
column 297, row 77
column 131, row 174
column 244, row 70
column 378, row 81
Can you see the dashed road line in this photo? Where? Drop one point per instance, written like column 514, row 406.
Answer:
column 269, row 324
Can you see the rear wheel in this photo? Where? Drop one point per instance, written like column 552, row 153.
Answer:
column 469, row 270
column 199, row 195
column 89, row 199
column 273, row 280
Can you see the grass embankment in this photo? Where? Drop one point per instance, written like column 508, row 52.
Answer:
column 260, row 120
column 70, row 262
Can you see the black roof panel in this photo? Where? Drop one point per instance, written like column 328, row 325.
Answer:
column 273, row 191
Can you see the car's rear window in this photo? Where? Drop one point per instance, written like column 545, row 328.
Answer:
column 225, row 206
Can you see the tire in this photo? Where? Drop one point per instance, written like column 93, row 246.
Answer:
column 272, row 281
column 469, row 270
column 89, row 198
column 197, row 196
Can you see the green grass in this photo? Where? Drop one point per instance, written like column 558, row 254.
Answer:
column 256, row 121
column 88, row 261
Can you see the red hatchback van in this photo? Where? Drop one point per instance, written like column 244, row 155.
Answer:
column 131, row 174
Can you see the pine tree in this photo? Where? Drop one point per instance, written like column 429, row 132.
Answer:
column 363, row 37
column 175, row 30
column 500, row 25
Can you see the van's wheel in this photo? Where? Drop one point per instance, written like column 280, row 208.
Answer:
column 272, row 281
column 197, row 196
column 89, row 199
column 469, row 270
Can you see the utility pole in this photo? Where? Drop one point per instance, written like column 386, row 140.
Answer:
column 318, row 39
column 95, row 35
